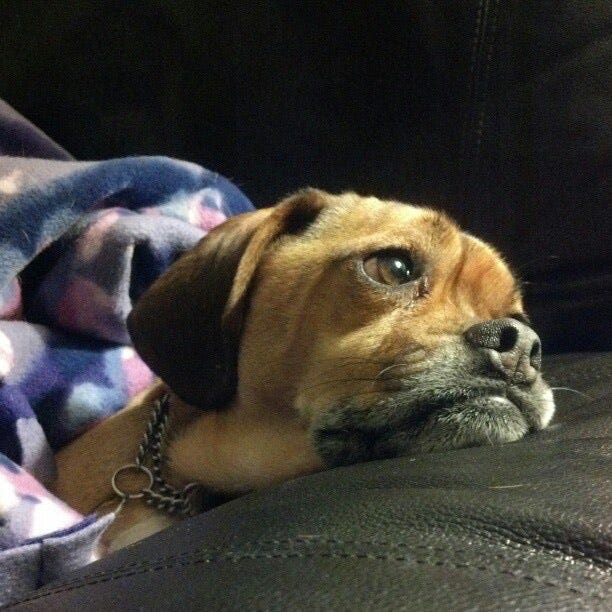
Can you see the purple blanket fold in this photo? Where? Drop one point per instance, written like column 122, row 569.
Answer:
column 79, row 243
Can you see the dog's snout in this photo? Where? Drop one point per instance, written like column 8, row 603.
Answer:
column 513, row 347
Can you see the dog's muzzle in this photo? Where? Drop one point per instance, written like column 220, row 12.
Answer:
column 484, row 388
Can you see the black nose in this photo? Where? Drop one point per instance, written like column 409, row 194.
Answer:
column 512, row 347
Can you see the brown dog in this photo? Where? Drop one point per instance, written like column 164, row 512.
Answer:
column 324, row 331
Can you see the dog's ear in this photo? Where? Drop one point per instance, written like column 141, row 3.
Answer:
column 187, row 325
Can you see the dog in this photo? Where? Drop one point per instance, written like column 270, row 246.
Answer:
column 321, row 332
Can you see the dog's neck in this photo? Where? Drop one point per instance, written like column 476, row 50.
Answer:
column 232, row 450
column 239, row 448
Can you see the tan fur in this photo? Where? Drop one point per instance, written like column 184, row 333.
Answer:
column 314, row 331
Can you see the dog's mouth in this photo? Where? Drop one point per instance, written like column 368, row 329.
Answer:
column 417, row 420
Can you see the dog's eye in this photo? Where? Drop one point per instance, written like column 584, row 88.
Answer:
column 390, row 268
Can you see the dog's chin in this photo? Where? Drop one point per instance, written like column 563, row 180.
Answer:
column 484, row 421
column 349, row 435
column 487, row 420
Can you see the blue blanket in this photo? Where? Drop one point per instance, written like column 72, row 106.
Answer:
column 79, row 243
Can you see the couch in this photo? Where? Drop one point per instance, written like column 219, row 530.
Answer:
column 496, row 112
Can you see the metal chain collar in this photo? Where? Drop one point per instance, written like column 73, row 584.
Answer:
column 149, row 461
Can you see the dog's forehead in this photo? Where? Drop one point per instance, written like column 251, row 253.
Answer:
column 351, row 220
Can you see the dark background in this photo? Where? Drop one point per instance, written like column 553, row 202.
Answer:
column 498, row 112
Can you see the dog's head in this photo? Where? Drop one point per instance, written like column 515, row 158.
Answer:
column 379, row 326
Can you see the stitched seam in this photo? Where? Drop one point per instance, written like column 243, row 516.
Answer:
column 490, row 530
column 473, row 82
column 183, row 558
column 438, row 549
column 238, row 557
column 518, row 546
column 485, row 81
column 513, row 544
column 483, row 48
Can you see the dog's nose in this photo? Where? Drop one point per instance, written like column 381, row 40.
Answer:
column 513, row 347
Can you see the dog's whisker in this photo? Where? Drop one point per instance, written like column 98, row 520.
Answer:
column 391, row 367
column 351, row 380
column 348, row 362
column 351, row 360
column 339, row 381
column 572, row 391
column 354, row 395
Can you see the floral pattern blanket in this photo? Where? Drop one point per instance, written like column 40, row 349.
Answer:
column 79, row 243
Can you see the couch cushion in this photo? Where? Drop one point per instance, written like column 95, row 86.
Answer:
column 524, row 525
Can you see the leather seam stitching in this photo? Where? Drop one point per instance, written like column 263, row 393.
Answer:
column 232, row 557
column 335, row 541
column 473, row 76
column 296, row 555
column 489, row 531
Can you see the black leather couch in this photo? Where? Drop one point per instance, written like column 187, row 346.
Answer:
column 517, row 527
column 499, row 113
